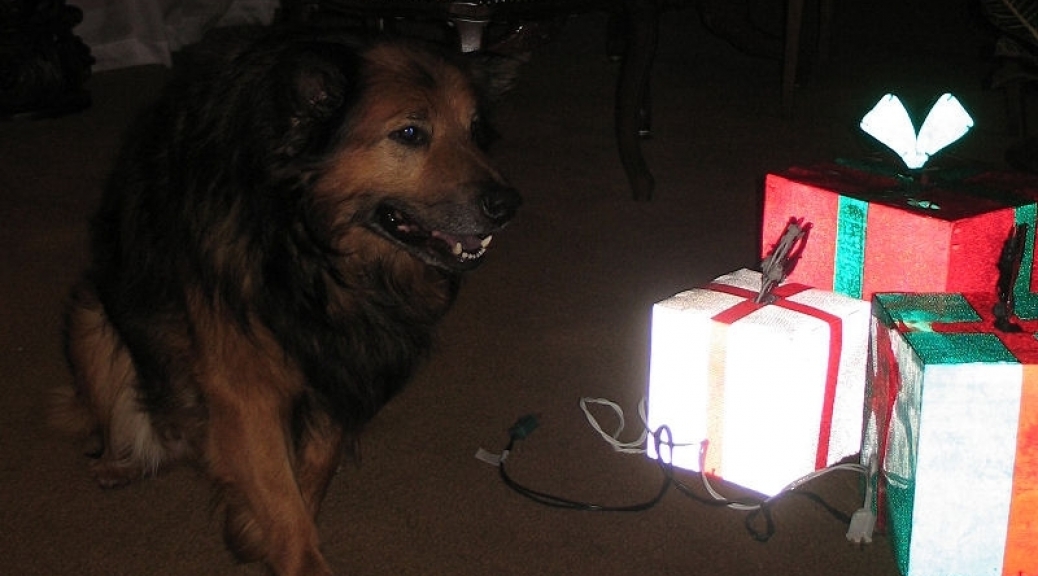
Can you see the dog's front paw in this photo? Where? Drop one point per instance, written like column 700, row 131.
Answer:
column 115, row 473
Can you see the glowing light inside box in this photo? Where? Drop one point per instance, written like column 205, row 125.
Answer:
column 889, row 123
column 757, row 398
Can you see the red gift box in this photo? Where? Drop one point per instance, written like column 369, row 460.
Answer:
column 874, row 233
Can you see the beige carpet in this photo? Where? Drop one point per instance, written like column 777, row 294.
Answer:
column 559, row 311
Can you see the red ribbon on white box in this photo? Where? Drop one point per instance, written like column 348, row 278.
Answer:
column 727, row 317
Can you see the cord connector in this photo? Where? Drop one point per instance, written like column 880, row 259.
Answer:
column 863, row 522
column 523, row 427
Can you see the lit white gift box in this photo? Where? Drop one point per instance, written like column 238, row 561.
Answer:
column 776, row 389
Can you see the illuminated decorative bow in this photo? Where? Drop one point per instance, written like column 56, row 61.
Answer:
column 889, row 123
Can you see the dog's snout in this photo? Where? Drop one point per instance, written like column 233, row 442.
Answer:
column 499, row 202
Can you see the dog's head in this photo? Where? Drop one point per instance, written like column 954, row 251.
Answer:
column 408, row 168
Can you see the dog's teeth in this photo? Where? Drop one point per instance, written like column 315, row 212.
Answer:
column 473, row 255
column 486, row 241
column 457, row 249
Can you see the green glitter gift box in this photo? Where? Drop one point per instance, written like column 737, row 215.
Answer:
column 951, row 418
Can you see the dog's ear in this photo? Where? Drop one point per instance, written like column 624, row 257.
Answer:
column 318, row 87
column 494, row 74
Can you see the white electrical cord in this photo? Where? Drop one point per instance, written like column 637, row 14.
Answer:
column 632, row 447
column 863, row 522
column 638, row 447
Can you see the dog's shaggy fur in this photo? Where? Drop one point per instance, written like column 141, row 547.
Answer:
column 270, row 259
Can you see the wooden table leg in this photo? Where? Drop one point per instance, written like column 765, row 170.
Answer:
column 632, row 94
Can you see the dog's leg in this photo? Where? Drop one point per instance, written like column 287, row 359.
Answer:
column 104, row 402
column 248, row 452
column 318, row 455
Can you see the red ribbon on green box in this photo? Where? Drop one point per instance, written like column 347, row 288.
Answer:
column 953, row 418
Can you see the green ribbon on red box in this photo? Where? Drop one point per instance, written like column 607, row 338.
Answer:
column 852, row 220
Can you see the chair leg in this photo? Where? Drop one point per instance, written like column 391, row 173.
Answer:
column 616, row 37
column 616, row 45
column 632, row 94
column 825, row 21
column 794, row 19
column 645, row 111
column 470, row 33
column 1017, row 123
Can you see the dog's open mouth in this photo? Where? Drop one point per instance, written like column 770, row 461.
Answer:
column 444, row 248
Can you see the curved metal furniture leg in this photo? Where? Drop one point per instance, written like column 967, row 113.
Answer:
column 794, row 17
column 470, row 33
column 632, row 94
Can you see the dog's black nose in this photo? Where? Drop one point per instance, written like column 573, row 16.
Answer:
column 499, row 202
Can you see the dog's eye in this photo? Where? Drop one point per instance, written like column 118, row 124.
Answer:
column 410, row 136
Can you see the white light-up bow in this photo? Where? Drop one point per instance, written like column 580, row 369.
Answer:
column 889, row 123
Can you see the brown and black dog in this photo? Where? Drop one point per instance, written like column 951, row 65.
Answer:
column 276, row 245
